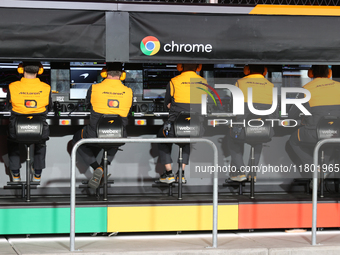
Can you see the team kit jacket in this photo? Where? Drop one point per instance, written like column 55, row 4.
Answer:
column 28, row 96
column 324, row 101
column 108, row 97
column 184, row 93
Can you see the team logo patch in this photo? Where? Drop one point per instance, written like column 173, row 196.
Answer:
column 113, row 103
column 30, row 104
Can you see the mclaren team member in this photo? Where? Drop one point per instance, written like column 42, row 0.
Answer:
column 178, row 98
column 325, row 101
column 33, row 97
column 99, row 102
column 262, row 99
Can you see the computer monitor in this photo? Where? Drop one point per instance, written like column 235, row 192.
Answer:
column 156, row 81
column 81, row 80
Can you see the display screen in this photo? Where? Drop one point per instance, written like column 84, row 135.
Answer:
column 81, row 80
column 156, row 81
column 154, row 93
column 134, row 80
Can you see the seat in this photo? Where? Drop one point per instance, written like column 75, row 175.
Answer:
column 327, row 127
column 256, row 133
column 186, row 125
column 28, row 131
column 109, row 126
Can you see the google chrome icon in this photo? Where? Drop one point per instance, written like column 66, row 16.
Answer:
column 150, row 45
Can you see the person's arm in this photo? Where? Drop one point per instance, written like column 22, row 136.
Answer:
column 294, row 112
column 8, row 101
column 168, row 97
column 88, row 98
column 50, row 103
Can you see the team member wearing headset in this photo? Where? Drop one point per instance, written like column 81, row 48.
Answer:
column 178, row 99
column 98, row 96
column 262, row 91
column 325, row 101
column 33, row 97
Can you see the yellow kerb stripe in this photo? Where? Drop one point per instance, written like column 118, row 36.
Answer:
column 296, row 10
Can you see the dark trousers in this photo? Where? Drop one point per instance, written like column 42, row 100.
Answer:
column 14, row 155
column 166, row 148
column 236, row 149
column 89, row 153
column 302, row 150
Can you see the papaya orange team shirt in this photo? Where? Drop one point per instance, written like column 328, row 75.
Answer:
column 111, row 97
column 29, row 96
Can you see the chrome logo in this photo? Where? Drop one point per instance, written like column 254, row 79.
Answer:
column 150, row 45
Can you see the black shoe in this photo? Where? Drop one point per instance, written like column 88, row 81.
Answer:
column 167, row 178
column 184, row 181
column 35, row 177
column 94, row 182
column 15, row 177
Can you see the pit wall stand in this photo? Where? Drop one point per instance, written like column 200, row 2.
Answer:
column 136, row 140
column 315, row 182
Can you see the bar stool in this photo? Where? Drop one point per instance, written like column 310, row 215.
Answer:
column 28, row 130
column 186, row 125
column 109, row 126
column 327, row 127
column 254, row 135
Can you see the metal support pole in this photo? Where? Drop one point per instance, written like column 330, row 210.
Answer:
column 322, row 173
column 139, row 140
column 105, row 175
column 28, row 175
column 315, row 183
column 252, row 179
column 180, row 162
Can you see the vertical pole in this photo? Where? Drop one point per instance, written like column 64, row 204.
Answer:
column 73, row 197
column 180, row 162
column 315, row 191
column 105, row 175
column 252, row 180
column 215, row 199
column 28, row 176
column 322, row 173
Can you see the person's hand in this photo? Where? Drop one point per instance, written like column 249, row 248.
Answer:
column 169, row 105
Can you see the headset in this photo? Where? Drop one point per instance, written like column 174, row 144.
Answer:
column 103, row 74
column 180, row 67
column 246, row 70
column 21, row 69
column 311, row 74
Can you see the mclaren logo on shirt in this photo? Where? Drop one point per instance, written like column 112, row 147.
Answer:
column 113, row 93
column 113, row 103
column 30, row 93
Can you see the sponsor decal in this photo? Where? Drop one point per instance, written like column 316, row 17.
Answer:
column 113, row 103
column 150, row 45
column 30, row 104
column 28, row 127
column 110, row 131
column 187, row 128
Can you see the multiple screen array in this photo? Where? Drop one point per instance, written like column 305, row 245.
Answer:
column 147, row 80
